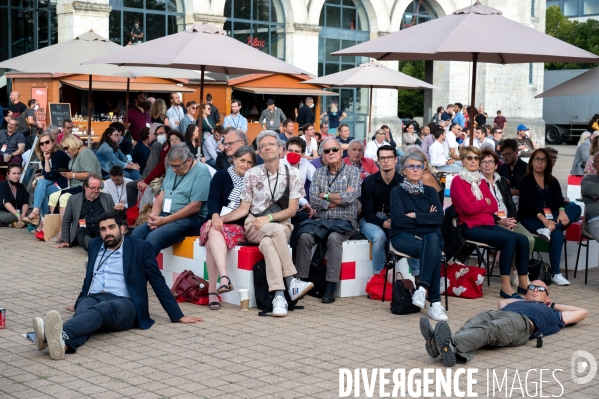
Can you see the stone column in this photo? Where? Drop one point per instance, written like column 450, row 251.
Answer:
column 301, row 48
column 77, row 17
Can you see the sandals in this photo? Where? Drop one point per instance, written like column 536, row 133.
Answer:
column 33, row 219
column 224, row 287
column 213, row 305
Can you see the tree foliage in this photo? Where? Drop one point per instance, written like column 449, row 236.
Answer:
column 580, row 34
column 410, row 103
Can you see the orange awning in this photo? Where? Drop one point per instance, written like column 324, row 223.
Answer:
column 133, row 87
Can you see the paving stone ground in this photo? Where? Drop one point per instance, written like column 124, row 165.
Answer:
column 235, row 354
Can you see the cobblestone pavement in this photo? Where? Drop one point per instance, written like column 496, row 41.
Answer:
column 234, row 354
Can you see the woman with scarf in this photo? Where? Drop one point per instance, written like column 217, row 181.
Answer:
column 477, row 209
column 225, row 196
column 416, row 216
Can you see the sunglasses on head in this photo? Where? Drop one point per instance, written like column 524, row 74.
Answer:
column 539, row 288
column 65, row 148
column 328, row 150
column 45, row 142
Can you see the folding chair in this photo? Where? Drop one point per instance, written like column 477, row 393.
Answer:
column 588, row 237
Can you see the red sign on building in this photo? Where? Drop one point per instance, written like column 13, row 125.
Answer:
column 255, row 42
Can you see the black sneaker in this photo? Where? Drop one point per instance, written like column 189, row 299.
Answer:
column 429, row 336
column 442, row 336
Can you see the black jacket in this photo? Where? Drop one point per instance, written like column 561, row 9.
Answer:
column 126, row 146
column 221, row 186
column 376, row 197
column 452, row 233
column 304, row 116
column 529, row 195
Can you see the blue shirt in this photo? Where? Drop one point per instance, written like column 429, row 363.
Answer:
column 459, row 119
column 109, row 273
column 547, row 321
column 238, row 122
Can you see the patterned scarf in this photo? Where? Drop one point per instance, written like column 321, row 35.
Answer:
column 235, row 196
column 414, row 189
column 474, row 178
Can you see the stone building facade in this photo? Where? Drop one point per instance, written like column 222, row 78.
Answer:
column 304, row 33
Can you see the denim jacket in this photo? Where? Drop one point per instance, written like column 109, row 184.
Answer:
column 108, row 158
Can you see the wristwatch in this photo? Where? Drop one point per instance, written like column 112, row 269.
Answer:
column 552, row 305
column 73, row 175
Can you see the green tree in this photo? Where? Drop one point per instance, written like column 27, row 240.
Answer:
column 410, row 103
column 580, row 34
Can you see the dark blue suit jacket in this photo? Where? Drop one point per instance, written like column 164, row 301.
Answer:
column 139, row 267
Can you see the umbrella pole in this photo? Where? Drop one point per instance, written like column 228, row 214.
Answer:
column 472, row 97
column 201, row 134
column 370, row 113
column 89, row 113
column 127, row 106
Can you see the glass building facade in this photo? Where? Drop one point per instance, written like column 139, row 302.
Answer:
column 576, row 8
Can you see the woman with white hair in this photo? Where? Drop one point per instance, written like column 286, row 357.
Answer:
column 373, row 145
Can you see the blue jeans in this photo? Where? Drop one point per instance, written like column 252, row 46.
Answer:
column 98, row 312
column 131, row 174
column 414, row 265
column 378, row 238
column 170, row 233
column 428, row 251
column 43, row 189
column 506, row 241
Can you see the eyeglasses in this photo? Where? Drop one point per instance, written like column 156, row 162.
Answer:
column 508, row 154
column 116, row 134
column 459, row 129
column 94, row 188
column 539, row 288
column 230, row 143
column 386, row 159
column 382, row 133
column 65, row 148
column 328, row 150
column 13, row 124
column 539, row 159
column 45, row 142
column 193, row 107
column 177, row 167
column 414, row 167
column 488, row 162
column 472, row 157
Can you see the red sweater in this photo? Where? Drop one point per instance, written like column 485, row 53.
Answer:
column 368, row 165
column 471, row 211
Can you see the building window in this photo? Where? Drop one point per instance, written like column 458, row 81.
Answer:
column 259, row 23
column 532, row 8
column 417, row 12
column 26, row 26
column 590, row 7
column 530, row 70
column 344, row 24
column 137, row 21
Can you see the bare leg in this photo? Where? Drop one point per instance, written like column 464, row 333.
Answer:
column 218, row 247
column 212, row 274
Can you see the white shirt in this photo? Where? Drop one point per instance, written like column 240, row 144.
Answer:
column 497, row 194
column 306, row 170
column 371, row 148
column 451, row 140
column 117, row 193
column 310, row 147
column 437, row 154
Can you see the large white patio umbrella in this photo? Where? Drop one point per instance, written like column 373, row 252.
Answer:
column 66, row 57
column 372, row 75
column 472, row 34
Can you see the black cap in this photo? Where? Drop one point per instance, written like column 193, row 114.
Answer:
column 270, row 102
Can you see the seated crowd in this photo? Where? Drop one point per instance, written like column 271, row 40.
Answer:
column 304, row 192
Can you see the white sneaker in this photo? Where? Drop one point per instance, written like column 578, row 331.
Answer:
column 419, row 297
column 514, row 278
column 53, row 330
column 558, row 279
column 40, row 336
column 279, row 306
column 544, row 233
column 437, row 312
column 297, row 289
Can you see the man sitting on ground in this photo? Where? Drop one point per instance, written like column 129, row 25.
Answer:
column 12, row 144
column 513, row 324
column 375, row 223
column 116, row 187
column 114, row 296
column 180, row 208
column 272, row 183
column 334, row 197
column 80, row 220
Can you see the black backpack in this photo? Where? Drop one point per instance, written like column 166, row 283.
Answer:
column 401, row 299
column 264, row 298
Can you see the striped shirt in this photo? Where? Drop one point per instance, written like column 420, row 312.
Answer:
column 109, row 274
column 346, row 183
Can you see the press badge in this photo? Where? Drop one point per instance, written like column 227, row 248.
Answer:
column 272, row 123
column 501, row 214
column 548, row 213
column 3, row 149
column 166, row 207
column 82, row 223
